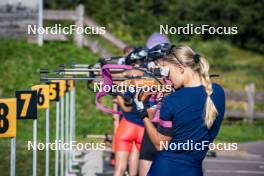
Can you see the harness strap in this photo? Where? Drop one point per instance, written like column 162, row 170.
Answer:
column 106, row 74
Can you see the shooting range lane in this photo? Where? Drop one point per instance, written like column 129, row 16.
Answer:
column 249, row 161
column 234, row 166
column 226, row 164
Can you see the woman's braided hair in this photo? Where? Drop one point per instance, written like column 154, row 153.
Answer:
column 184, row 55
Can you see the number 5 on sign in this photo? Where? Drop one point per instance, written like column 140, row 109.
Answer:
column 54, row 90
column 8, row 117
column 42, row 96
column 26, row 104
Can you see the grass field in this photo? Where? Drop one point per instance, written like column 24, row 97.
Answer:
column 20, row 61
column 19, row 66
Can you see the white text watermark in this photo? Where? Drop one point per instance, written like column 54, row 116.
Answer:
column 132, row 88
column 58, row 29
column 203, row 145
column 190, row 29
column 59, row 145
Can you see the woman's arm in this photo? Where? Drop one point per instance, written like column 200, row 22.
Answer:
column 127, row 73
column 151, row 112
column 155, row 137
column 121, row 102
column 116, row 117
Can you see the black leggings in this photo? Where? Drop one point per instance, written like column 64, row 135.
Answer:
column 147, row 150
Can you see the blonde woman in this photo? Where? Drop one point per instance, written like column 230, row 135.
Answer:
column 190, row 117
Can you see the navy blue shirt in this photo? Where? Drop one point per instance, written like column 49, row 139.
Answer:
column 133, row 116
column 182, row 118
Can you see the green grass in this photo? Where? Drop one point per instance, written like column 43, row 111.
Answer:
column 241, row 132
column 19, row 66
column 23, row 159
column 20, row 61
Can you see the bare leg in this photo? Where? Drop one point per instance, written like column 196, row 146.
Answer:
column 121, row 158
column 115, row 123
column 144, row 166
column 133, row 161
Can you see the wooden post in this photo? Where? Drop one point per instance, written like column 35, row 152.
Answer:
column 78, row 38
column 107, row 35
column 40, row 21
column 250, row 89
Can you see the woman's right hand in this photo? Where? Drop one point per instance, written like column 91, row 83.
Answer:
column 159, row 96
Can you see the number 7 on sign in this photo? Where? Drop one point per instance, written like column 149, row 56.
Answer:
column 26, row 104
column 26, row 98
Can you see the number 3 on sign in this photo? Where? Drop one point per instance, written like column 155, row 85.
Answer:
column 26, row 104
column 8, row 117
column 62, row 85
column 42, row 96
column 69, row 85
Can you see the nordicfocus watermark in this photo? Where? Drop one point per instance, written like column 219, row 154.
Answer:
column 59, row 145
column 191, row 145
column 58, row 29
column 190, row 29
column 132, row 88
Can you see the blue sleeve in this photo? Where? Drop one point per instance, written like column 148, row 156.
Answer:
column 166, row 117
column 218, row 98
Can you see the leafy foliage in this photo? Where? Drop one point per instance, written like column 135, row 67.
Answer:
column 140, row 18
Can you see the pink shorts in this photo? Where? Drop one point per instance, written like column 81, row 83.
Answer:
column 127, row 133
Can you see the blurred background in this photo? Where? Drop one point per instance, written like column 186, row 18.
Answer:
column 239, row 59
